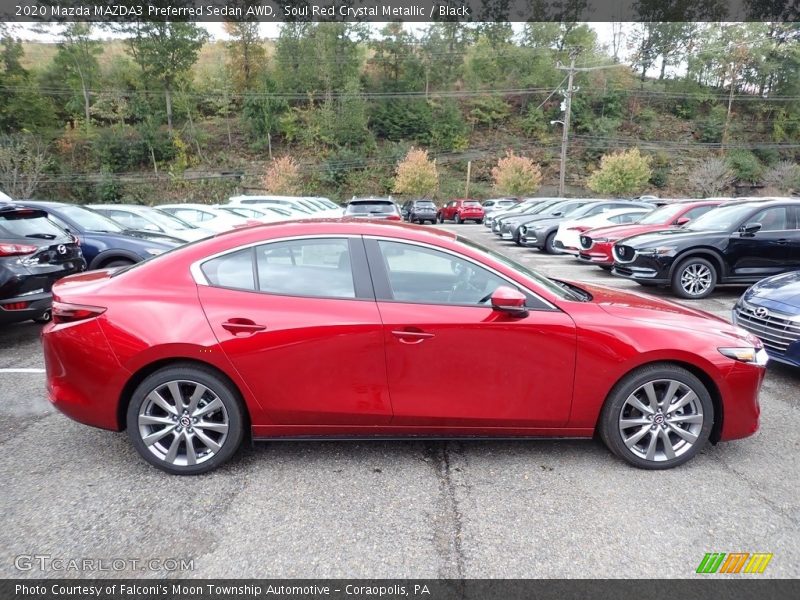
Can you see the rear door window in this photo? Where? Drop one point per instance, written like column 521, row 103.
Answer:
column 32, row 225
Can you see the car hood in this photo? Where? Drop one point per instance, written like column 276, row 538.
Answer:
column 671, row 237
column 784, row 289
column 617, row 232
column 537, row 221
column 648, row 309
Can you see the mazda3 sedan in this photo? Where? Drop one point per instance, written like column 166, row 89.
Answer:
column 312, row 329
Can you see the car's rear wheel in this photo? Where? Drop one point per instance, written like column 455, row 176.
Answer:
column 185, row 420
column 658, row 417
column 479, row 221
column 440, row 219
column 458, row 219
column 694, row 278
column 118, row 262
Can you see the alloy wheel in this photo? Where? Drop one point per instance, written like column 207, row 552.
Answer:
column 183, row 423
column 661, row 420
column 696, row 279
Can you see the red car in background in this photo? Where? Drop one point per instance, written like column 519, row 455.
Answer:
column 328, row 329
column 597, row 244
column 460, row 211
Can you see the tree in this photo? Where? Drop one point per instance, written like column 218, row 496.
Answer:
column 23, row 159
column 416, row 175
column 397, row 64
column 165, row 51
column 77, row 60
column 516, row 175
column 246, row 53
column 282, row 176
column 711, row 177
column 621, row 173
column 783, row 178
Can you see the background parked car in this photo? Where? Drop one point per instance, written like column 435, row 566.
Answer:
column 497, row 204
column 738, row 243
column 132, row 216
column 541, row 232
column 104, row 243
column 373, row 208
column 770, row 309
column 265, row 213
column 597, row 244
column 34, row 253
column 527, row 206
column 204, row 215
column 312, row 206
column 569, row 232
column 419, row 211
column 461, row 211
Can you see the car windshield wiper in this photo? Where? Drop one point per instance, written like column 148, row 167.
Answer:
column 575, row 292
column 43, row 236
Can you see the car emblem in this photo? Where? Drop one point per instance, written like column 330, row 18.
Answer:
column 761, row 312
column 61, row 249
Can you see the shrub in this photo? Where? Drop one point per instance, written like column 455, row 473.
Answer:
column 745, row 165
column 516, row 175
column 416, row 175
column 621, row 173
column 711, row 177
column 282, row 176
column 710, row 130
column 784, row 177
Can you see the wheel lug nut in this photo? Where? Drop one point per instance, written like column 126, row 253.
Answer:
column 653, row 428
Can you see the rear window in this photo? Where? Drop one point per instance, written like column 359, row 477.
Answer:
column 425, row 204
column 370, row 208
column 29, row 225
column 472, row 203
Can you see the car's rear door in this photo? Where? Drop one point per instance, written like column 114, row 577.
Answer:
column 298, row 320
column 453, row 361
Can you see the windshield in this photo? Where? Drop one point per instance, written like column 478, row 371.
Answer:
column 721, row 219
column 90, row 220
column 662, row 215
column 168, row 221
column 553, row 287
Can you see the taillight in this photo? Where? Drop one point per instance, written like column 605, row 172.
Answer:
column 63, row 312
column 16, row 249
column 393, row 218
column 15, row 306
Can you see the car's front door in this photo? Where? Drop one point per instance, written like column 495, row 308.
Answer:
column 765, row 252
column 298, row 320
column 453, row 361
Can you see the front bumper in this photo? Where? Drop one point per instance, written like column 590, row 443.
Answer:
column 645, row 268
column 778, row 330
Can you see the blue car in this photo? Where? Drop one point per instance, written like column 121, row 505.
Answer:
column 770, row 309
column 104, row 243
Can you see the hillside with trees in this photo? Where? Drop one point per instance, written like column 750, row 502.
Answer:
column 150, row 112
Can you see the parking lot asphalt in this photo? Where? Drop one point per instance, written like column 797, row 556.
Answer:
column 394, row 509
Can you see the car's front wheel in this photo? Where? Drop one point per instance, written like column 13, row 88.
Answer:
column 694, row 278
column 659, row 416
column 550, row 243
column 185, row 420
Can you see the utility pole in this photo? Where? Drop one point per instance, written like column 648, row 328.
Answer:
column 469, row 172
column 571, row 69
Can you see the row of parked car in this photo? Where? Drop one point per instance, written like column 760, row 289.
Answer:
column 689, row 246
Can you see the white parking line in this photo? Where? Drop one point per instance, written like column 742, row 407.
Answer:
column 21, row 370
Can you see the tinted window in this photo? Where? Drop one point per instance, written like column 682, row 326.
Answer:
column 697, row 211
column 370, row 208
column 419, row 274
column 234, row 270
column 771, row 219
column 425, row 204
column 319, row 267
column 663, row 214
column 722, row 218
column 32, row 225
column 188, row 214
column 129, row 219
column 89, row 220
column 472, row 203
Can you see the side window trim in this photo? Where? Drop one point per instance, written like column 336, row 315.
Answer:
column 383, row 289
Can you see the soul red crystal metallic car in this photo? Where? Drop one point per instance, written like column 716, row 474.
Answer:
column 597, row 244
column 327, row 328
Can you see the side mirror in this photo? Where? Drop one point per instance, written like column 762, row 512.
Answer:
column 750, row 228
column 560, row 213
column 508, row 300
column 682, row 221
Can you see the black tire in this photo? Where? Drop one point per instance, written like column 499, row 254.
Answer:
column 439, row 219
column 479, row 221
column 45, row 317
column 118, row 262
column 458, row 219
column 204, row 376
column 609, row 425
column 549, row 243
column 704, row 282
column 649, row 284
column 605, row 267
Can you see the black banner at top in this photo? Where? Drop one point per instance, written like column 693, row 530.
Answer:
column 399, row 10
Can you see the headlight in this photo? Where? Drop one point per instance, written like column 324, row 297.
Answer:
column 660, row 251
column 154, row 251
column 749, row 354
column 523, row 230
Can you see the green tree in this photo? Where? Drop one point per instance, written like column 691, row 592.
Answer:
column 516, row 175
column 76, row 61
column 165, row 51
column 246, row 53
column 621, row 173
column 395, row 61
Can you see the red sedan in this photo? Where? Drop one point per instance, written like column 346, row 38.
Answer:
column 313, row 329
column 596, row 244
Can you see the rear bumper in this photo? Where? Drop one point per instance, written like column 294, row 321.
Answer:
column 84, row 378
column 37, row 304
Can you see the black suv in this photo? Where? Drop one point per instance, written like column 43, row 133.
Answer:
column 34, row 253
column 740, row 242
column 419, row 211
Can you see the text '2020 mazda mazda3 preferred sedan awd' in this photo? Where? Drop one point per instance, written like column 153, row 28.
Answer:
column 328, row 328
